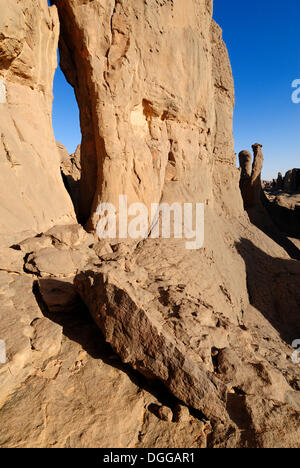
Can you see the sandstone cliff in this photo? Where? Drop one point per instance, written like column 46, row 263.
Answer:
column 146, row 121
column 28, row 155
column 198, row 342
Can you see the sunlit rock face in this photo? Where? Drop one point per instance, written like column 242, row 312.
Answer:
column 155, row 92
column 32, row 195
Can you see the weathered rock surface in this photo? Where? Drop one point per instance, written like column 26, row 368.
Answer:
column 67, row 399
column 157, row 317
column 144, row 120
column 60, row 252
column 137, row 333
column 56, row 387
column 28, row 156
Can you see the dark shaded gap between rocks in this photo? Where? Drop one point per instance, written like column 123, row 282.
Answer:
column 273, row 288
column 263, row 218
column 67, row 132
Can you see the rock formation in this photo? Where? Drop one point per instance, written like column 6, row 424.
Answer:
column 245, row 159
column 250, row 179
column 283, row 203
column 28, row 154
column 138, row 114
column 279, row 182
column 192, row 348
column 290, row 183
column 71, row 172
column 278, row 222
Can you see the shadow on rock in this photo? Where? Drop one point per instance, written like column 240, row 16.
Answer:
column 286, row 219
column 260, row 217
column 275, row 223
column 274, row 288
column 68, row 310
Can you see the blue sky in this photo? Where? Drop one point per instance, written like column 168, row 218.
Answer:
column 65, row 113
column 263, row 39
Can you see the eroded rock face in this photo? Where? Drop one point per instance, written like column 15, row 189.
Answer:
column 153, row 133
column 164, row 323
column 250, row 179
column 56, row 386
column 28, row 155
column 145, row 121
column 147, row 345
column 168, row 323
column 289, row 184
